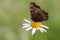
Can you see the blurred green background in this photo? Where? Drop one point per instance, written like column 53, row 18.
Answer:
column 12, row 13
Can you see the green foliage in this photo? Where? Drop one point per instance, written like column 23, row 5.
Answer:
column 12, row 13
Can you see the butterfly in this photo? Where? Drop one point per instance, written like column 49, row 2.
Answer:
column 37, row 14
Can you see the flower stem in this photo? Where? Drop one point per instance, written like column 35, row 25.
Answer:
column 34, row 36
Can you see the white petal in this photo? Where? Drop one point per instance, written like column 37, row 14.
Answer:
column 38, row 28
column 33, row 31
column 43, row 29
column 44, row 26
column 29, row 28
column 25, row 26
column 27, row 21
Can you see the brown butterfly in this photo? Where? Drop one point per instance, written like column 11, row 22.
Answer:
column 37, row 14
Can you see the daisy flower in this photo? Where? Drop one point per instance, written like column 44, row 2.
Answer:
column 34, row 26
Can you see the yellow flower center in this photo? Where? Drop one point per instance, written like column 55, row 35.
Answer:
column 35, row 24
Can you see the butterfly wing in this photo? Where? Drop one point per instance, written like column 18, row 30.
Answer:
column 37, row 14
